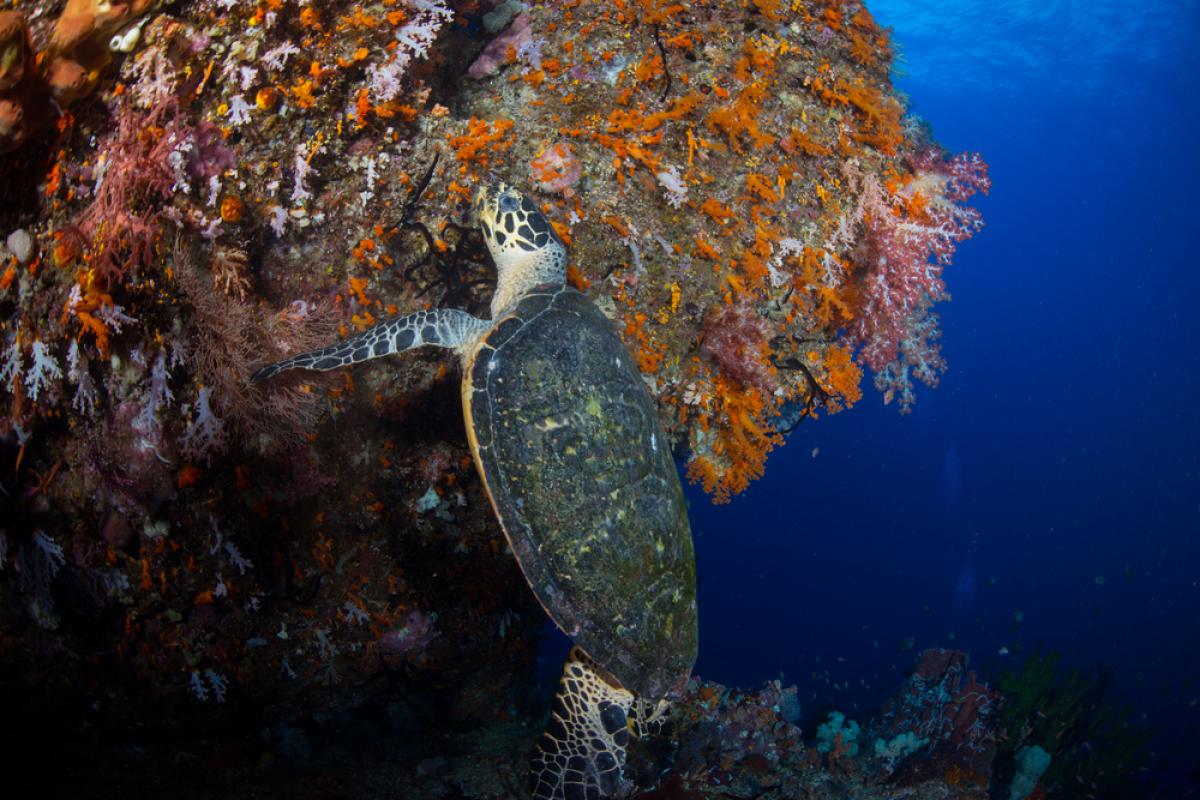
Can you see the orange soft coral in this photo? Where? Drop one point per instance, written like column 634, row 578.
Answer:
column 843, row 378
column 738, row 444
column 480, row 141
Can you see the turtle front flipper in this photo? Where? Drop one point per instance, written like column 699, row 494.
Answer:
column 582, row 752
column 441, row 327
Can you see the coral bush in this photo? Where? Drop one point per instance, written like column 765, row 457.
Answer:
column 1092, row 745
column 737, row 338
column 133, row 179
column 913, row 226
column 231, row 340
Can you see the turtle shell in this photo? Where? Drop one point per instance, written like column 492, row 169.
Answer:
column 580, row 474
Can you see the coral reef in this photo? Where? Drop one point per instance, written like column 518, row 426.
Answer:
column 193, row 189
column 945, row 704
column 730, row 743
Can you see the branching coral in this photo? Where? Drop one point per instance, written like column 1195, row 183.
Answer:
column 231, row 340
column 477, row 145
column 733, row 451
column 120, row 227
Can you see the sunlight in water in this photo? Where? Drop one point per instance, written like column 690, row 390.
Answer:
column 1070, row 45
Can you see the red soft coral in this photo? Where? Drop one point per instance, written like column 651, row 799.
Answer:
column 737, row 338
column 121, row 226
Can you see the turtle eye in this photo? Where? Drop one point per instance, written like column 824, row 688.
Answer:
column 508, row 203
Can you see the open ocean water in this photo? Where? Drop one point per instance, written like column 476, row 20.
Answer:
column 1047, row 496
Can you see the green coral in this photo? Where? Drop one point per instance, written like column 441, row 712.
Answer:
column 1091, row 742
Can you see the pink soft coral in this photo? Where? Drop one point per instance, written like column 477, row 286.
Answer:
column 913, row 230
column 737, row 338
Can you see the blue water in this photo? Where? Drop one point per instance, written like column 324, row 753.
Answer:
column 1054, row 476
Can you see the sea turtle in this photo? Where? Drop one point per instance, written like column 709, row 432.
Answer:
column 567, row 441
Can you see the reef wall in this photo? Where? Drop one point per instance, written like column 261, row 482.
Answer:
column 193, row 189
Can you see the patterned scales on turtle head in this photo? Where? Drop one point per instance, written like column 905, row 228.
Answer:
column 522, row 242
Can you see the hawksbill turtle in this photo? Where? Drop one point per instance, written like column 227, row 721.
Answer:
column 567, row 441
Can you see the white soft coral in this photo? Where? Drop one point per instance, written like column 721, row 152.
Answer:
column 43, row 370
column 205, row 434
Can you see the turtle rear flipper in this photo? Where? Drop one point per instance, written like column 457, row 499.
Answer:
column 582, row 752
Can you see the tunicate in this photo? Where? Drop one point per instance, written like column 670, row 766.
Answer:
column 20, row 244
column 125, row 41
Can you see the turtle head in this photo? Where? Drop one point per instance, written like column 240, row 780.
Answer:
column 524, row 246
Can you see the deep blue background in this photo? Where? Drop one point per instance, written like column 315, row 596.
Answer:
column 1062, row 450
